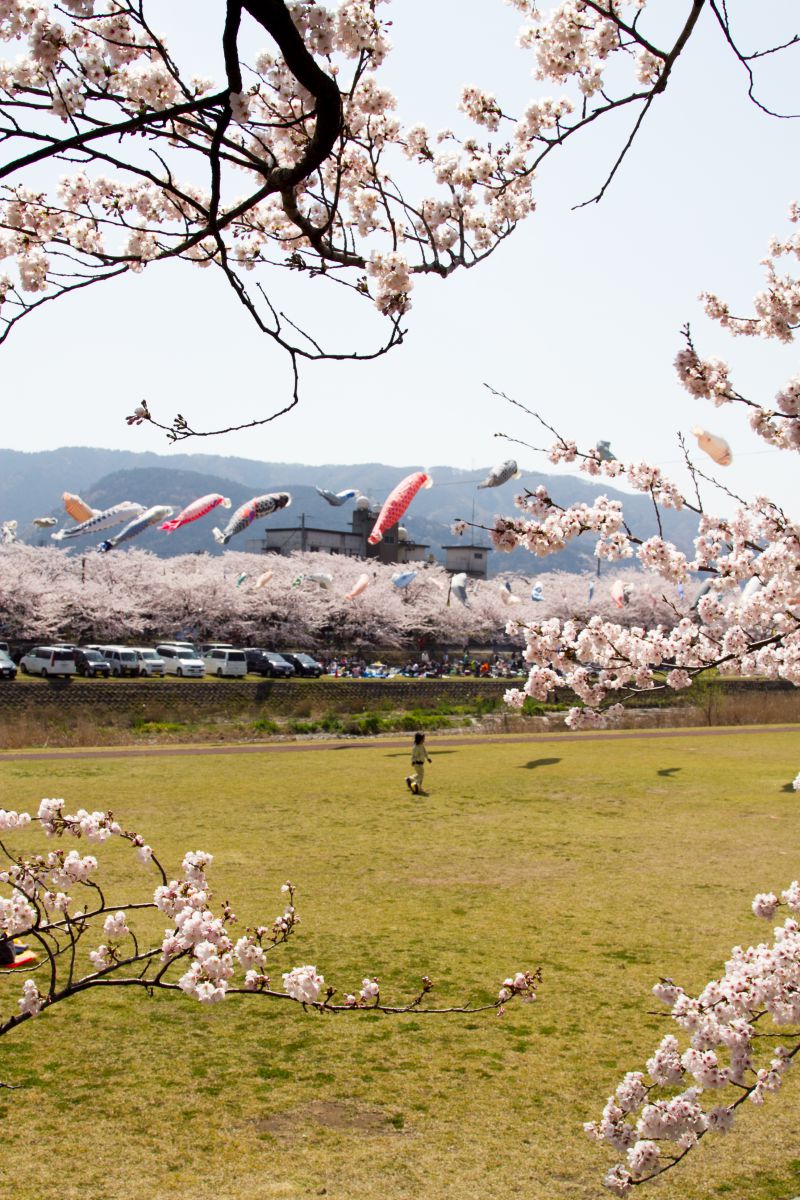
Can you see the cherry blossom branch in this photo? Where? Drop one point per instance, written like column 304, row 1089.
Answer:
column 691, row 468
column 663, row 69
column 44, row 906
column 755, row 631
column 761, row 982
column 157, row 156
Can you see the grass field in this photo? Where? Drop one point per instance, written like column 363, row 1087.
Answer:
column 607, row 862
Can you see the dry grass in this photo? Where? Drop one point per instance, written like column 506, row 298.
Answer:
column 609, row 863
column 158, row 722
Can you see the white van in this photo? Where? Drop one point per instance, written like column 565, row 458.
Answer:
column 150, row 663
column 222, row 661
column 180, row 661
column 48, row 660
column 121, row 659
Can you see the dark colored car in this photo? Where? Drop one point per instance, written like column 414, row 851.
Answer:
column 304, row 664
column 8, row 668
column 267, row 662
column 91, row 663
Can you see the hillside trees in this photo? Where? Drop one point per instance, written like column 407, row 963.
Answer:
column 298, row 158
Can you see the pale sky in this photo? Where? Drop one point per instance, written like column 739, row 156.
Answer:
column 577, row 315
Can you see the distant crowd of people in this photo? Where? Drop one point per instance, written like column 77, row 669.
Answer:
column 426, row 666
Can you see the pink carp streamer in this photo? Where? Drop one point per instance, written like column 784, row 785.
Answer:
column 360, row 585
column 397, row 502
column 195, row 510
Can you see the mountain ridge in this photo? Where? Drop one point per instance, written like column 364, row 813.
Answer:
column 31, row 483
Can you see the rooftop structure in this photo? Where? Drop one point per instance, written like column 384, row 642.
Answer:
column 472, row 560
column 395, row 546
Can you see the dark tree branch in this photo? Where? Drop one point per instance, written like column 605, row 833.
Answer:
column 746, row 59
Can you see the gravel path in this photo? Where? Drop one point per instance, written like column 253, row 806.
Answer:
column 507, row 739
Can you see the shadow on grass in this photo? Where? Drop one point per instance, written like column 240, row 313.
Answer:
column 668, row 772
column 788, row 787
column 539, row 762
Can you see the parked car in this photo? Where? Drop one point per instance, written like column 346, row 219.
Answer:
column 304, row 664
column 91, row 663
column 150, row 663
column 205, row 647
column 122, row 660
column 8, row 669
column 181, row 661
column 267, row 662
column 47, row 660
column 222, row 661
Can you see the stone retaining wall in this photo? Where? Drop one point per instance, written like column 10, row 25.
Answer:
column 295, row 697
column 298, row 697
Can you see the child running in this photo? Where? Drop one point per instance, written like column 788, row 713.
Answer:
column 419, row 756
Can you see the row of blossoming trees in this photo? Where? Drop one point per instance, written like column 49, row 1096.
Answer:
column 133, row 596
column 298, row 160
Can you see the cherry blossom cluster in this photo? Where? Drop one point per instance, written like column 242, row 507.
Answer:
column 576, row 40
column 602, row 661
column 553, row 527
column 745, row 618
column 344, row 211
column 57, row 905
column 710, row 379
column 523, row 984
column 777, row 317
column 656, row 1118
column 777, row 307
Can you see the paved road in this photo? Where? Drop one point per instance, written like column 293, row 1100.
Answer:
column 507, row 739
